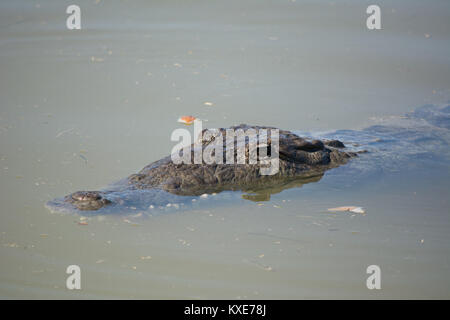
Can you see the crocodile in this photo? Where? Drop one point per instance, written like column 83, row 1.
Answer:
column 300, row 160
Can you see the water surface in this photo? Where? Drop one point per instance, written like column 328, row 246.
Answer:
column 81, row 109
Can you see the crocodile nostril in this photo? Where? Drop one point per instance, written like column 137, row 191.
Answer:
column 87, row 200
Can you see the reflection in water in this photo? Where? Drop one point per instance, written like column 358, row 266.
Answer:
column 263, row 193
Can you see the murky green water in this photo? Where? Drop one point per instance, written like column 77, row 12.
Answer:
column 81, row 109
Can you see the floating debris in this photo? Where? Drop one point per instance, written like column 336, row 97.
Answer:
column 82, row 223
column 358, row 210
column 64, row 132
column 95, row 59
column 259, row 265
column 146, row 257
column 184, row 242
column 11, row 245
column 187, row 120
column 137, row 215
column 84, row 158
column 208, row 104
column 348, row 208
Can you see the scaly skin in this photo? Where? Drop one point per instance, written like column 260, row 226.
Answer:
column 298, row 159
